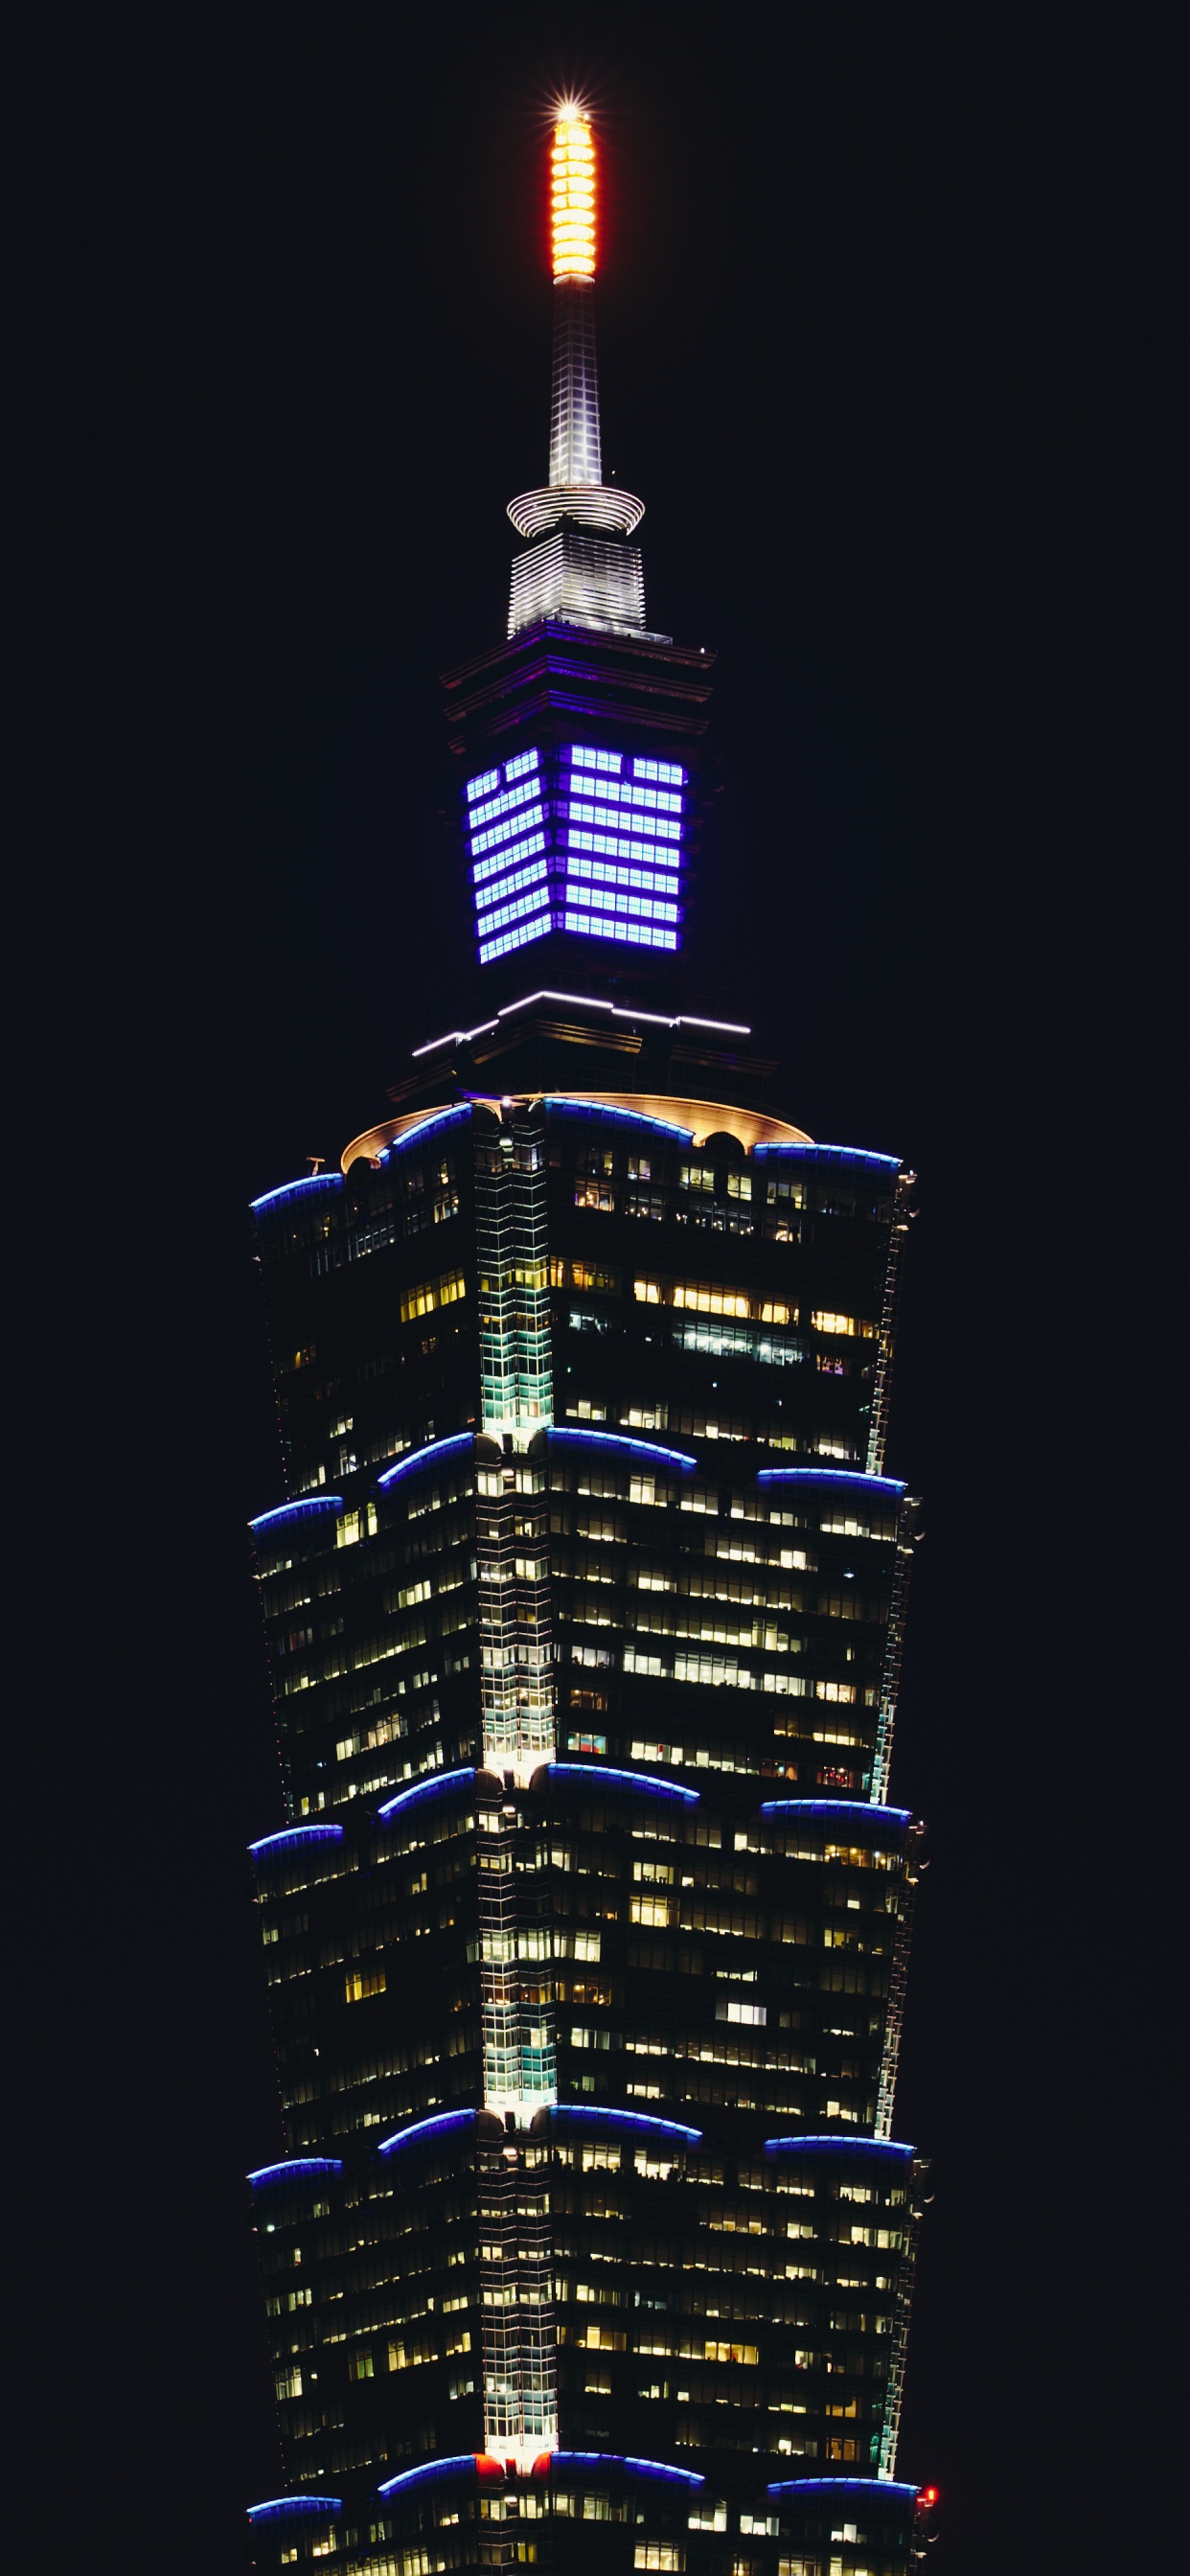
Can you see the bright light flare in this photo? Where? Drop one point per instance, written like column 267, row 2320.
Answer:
column 573, row 194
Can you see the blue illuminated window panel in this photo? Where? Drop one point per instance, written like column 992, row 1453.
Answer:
column 509, row 858
column 489, row 948
column 514, row 884
column 580, row 839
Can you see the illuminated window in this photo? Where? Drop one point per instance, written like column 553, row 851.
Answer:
column 432, row 1293
column 665, row 770
column 364, row 1982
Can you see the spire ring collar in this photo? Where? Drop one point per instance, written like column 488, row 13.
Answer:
column 590, row 505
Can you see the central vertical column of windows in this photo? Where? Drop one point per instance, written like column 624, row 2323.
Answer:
column 519, row 1734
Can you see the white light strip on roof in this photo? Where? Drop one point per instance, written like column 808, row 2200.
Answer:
column 585, row 1002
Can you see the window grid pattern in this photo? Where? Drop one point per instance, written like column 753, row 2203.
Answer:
column 581, row 839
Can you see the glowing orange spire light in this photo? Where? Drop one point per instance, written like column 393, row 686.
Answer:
column 573, row 192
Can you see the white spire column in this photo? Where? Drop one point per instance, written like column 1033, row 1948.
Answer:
column 580, row 572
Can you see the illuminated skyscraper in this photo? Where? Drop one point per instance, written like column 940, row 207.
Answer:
column 587, row 1932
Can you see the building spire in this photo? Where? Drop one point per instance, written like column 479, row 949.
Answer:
column 585, row 580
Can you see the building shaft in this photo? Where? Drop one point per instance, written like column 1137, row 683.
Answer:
column 587, row 1932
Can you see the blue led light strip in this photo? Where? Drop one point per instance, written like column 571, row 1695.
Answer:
column 426, row 1127
column 294, row 1189
column 640, row 1780
column 283, row 2505
column 293, row 2168
column 437, row 1783
column 598, row 1113
column 852, row 1477
column 867, row 2487
column 441, row 2125
column 589, row 2111
column 296, row 1836
column 836, row 1153
column 568, row 2460
column 836, row 2146
column 418, row 1457
column 846, row 1807
column 451, row 2468
column 298, row 1511
column 622, row 1440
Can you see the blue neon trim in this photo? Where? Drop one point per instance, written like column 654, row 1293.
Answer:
column 295, row 2504
column 624, row 2120
column 836, row 1153
column 414, row 1135
column 293, row 2167
column 844, row 2486
column 852, row 1476
column 418, row 1457
column 619, row 2460
column 836, row 2146
column 835, row 1807
column 431, row 1788
column 297, row 1836
column 292, row 1189
column 438, row 2126
column 622, row 1780
column 298, row 1511
column 593, row 1110
column 432, row 2469
column 621, row 1440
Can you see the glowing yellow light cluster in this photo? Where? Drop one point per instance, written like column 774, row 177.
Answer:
column 573, row 195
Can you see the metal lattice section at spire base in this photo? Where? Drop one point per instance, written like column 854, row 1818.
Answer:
column 576, row 453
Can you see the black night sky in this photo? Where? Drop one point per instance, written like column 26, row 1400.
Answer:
column 885, row 347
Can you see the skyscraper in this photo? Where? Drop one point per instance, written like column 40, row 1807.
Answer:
column 587, row 1934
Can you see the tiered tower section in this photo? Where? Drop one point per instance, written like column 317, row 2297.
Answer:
column 586, row 1931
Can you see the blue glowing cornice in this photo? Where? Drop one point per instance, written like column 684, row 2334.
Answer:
column 426, row 1127
column 433, row 1787
column 451, row 2468
column 850, row 1809
column 837, row 2146
column 443, row 2124
column 621, row 1440
column 294, row 2169
column 571, row 2460
column 827, row 1154
column 592, row 2113
column 419, row 1457
column 279, row 2508
column 314, row 1181
column 297, row 1838
column 868, row 2488
column 639, row 1780
column 297, row 1511
column 594, row 1110
column 852, row 1477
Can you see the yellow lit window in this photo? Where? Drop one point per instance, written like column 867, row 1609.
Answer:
column 364, row 1982
column 432, row 1293
column 705, row 1300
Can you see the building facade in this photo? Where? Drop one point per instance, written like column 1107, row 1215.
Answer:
column 587, row 1934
